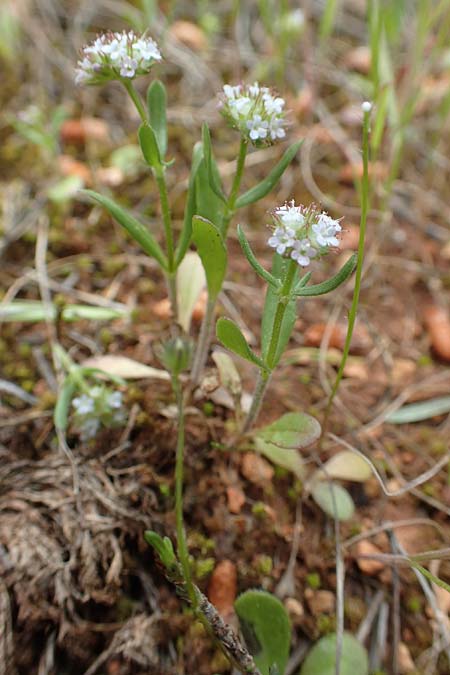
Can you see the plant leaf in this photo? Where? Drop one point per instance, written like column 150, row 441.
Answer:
column 287, row 458
column 259, row 269
column 211, row 166
column 190, row 208
column 92, row 313
column 330, row 284
column 416, row 412
column 321, row 659
column 345, row 465
column 190, row 283
column 163, row 547
column 290, row 431
column 139, row 233
column 149, row 145
column 270, row 307
column 65, row 189
column 207, row 203
column 211, row 248
column 232, row 338
column 322, row 494
column 157, row 106
column 265, row 186
column 121, row 366
column 266, row 629
column 61, row 412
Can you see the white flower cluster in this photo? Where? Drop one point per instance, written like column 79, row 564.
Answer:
column 100, row 406
column 116, row 55
column 255, row 112
column 303, row 233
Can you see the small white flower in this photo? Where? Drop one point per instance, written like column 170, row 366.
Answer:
column 282, row 239
column 291, row 215
column 116, row 55
column 255, row 112
column 83, row 404
column 325, row 230
column 114, row 400
column 89, row 428
column 302, row 252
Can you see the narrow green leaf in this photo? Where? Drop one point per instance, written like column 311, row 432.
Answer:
column 139, row 233
column 321, row 659
column 270, row 307
column 211, row 166
column 61, row 412
column 231, row 337
column 149, row 146
column 163, row 547
column 91, row 313
column 266, row 629
column 211, row 249
column 26, row 310
column 157, row 106
column 416, row 412
column 265, row 186
column 428, row 575
column 330, row 495
column 330, row 284
column 207, row 203
column 190, row 208
column 259, row 269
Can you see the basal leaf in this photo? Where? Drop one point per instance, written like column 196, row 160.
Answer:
column 292, row 430
column 323, row 493
column 266, row 629
column 346, row 465
column 138, row 231
column 287, row 458
column 321, row 659
column 190, row 283
column 211, row 249
column 416, row 412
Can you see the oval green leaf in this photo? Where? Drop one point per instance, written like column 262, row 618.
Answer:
column 157, row 106
column 139, row 233
column 321, row 659
column 291, row 431
column 232, row 338
column 341, row 507
column 266, row 629
column 211, row 249
column 149, row 146
column 287, row 458
column 346, row 465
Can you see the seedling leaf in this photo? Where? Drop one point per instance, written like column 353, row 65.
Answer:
column 321, row 659
column 266, row 629
column 341, row 507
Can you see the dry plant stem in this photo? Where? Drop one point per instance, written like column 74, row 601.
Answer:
column 204, row 341
column 359, row 266
column 182, row 548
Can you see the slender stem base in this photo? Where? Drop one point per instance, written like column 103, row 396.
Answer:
column 258, row 396
column 204, row 341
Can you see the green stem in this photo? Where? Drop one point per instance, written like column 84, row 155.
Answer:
column 235, row 186
column 359, row 265
column 271, row 359
column 167, row 222
column 135, row 97
column 201, row 353
column 182, row 548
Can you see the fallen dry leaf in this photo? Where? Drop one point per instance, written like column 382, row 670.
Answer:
column 366, row 565
column 256, row 469
column 222, row 588
column 235, row 498
column 77, row 132
column 437, row 322
column 360, row 340
column 189, row 34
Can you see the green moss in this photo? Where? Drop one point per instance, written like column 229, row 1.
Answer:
column 204, row 567
column 264, row 564
column 313, row 580
column 326, row 623
column 208, row 409
column 414, row 604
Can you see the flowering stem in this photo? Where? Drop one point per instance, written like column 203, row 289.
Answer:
column 359, row 265
column 135, row 97
column 204, row 340
column 271, row 359
column 235, row 186
column 182, row 549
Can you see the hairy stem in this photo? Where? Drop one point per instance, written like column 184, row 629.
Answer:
column 258, row 396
